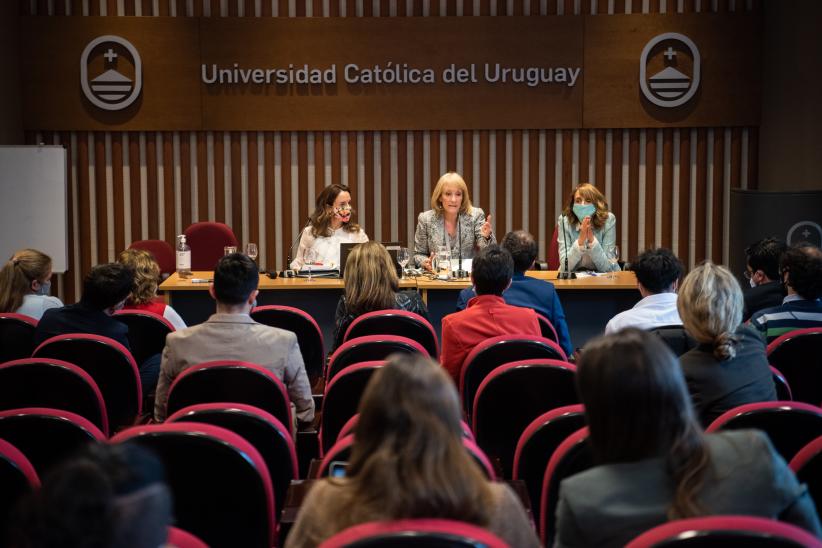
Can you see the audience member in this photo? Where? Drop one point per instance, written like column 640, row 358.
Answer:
column 729, row 367
column 146, row 280
column 657, row 275
column 653, row 461
column 231, row 334
column 762, row 272
column 408, row 462
column 801, row 272
column 109, row 496
column 25, row 281
column 526, row 291
column 371, row 284
column 487, row 315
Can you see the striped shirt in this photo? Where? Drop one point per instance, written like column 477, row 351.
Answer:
column 794, row 313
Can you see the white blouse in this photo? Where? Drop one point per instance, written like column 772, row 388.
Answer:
column 326, row 247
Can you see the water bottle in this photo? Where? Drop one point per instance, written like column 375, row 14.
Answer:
column 183, row 257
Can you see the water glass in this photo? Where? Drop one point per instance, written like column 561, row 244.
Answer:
column 403, row 256
column 309, row 257
column 229, row 249
column 443, row 261
column 613, row 258
column 251, row 251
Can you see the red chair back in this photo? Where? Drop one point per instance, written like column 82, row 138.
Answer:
column 396, row 322
column 302, row 324
column 807, row 464
column 340, row 451
column 147, row 332
column 17, row 478
column 547, row 328
column 55, row 384
column 572, row 456
column 783, row 389
column 207, row 240
column 553, row 250
column 177, row 538
column 111, row 366
column 370, row 348
column 342, row 398
column 16, row 336
column 415, row 532
column 798, row 355
column 163, row 253
column 220, row 484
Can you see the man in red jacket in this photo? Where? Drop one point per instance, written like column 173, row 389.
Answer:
column 487, row 315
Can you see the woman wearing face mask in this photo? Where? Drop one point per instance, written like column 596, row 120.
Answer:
column 25, row 282
column 451, row 221
column 329, row 226
column 590, row 231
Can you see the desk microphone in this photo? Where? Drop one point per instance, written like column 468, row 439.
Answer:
column 565, row 275
column 288, row 272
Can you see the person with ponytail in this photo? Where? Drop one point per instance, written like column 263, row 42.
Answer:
column 653, row 462
column 408, row 462
column 25, row 282
column 729, row 367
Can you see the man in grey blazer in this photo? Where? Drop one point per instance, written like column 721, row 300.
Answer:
column 231, row 334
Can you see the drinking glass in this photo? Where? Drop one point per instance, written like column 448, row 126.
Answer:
column 309, row 258
column 229, row 249
column 403, row 256
column 443, row 261
column 251, row 251
column 613, row 258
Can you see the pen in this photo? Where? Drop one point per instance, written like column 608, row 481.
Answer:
column 200, row 281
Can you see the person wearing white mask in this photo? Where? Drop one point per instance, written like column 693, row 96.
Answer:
column 589, row 230
column 762, row 273
column 25, row 284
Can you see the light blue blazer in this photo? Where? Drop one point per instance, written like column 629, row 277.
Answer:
column 582, row 257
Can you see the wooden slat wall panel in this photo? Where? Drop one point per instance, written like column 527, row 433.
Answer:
column 153, row 185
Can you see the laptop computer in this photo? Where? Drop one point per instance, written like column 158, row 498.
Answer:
column 392, row 247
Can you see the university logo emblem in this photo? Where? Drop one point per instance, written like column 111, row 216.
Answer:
column 111, row 73
column 805, row 232
column 672, row 59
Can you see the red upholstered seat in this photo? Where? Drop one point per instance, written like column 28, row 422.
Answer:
column 342, row 399
column 147, row 332
column 415, row 532
column 798, row 355
column 163, row 253
column 396, row 322
column 17, row 478
column 207, row 240
column 302, row 324
column 807, row 464
column 370, row 348
column 16, row 336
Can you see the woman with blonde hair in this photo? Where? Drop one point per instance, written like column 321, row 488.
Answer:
column 453, row 222
column 25, row 282
column 330, row 225
column 371, row 284
column 146, row 280
column 408, row 462
column 729, row 367
column 587, row 231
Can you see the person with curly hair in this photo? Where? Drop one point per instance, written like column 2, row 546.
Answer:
column 146, row 280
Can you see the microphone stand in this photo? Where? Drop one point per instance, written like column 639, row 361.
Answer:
column 567, row 275
column 288, row 272
column 460, row 273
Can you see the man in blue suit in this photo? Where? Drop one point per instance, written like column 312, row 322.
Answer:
column 528, row 292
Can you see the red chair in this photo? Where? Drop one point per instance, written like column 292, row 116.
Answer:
column 798, row 355
column 351, row 425
column 47, row 436
column 340, row 451
column 493, row 352
column 220, row 483
column 675, row 336
column 233, row 382
column 395, row 322
column 783, row 389
column 807, row 464
column 553, row 250
column 17, row 478
column 16, row 336
column 370, row 348
column 302, row 324
column 342, row 398
column 538, row 442
column 571, row 457
column 163, row 253
column 55, row 384
column 713, row 531
column 547, row 328
column 789, row 425
column 177, row 538
column 268, row 435
column 147, row 332
column 111, row 366
column 536, row 386
column 207, row 240
column 415, row 532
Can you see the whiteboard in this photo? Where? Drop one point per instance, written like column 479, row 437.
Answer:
column 33, row 202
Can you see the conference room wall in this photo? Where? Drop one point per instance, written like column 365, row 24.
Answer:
column 667, row 187
column 11, row 120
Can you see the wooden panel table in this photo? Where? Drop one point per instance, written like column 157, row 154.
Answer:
column 588, row 302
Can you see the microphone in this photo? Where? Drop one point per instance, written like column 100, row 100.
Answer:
column 287, row 271
column 567, row 275
column 459, row 273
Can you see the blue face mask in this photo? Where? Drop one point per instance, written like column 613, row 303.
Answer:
column 582, row 211
column 44, row 289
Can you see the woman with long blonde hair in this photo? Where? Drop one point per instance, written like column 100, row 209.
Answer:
column 146, row 281
column 371, row 284
column 408, row 462
column 25, row 283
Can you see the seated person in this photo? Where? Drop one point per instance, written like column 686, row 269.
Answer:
column 329, row 226
column 653, row 461
column 105, row 291
column 112, row 496
column 487, row 315
column 590, row 231
column 729, row 366
column 231, row 334
column 408, row 462
column 762, row 272
column 146, row 279
column 371, row 284
column 801, row 272
column 526, row 291
column 25, row 282
column 657, row 276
